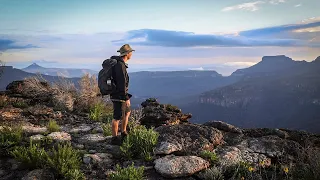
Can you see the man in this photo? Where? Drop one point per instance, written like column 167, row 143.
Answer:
column 120, row 96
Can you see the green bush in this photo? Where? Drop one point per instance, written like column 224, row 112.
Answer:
column 9, row 137
column 107, row 129
column 129, row 173
column 172, row 108
column 66, row 161
column 211, row 156
column 19, row 104
column 100, row 112
column 140, row 142
column 53, row 126
column 32, row 156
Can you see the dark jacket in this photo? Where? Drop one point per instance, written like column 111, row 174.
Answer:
column 120, row 80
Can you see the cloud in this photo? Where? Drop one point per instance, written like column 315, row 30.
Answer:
column 277, row 1
column 278, row 29
column 6, row 44
column 251, row 6
column 283, row 36
column 297, row 5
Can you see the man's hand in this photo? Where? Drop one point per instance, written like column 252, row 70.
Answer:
column 128, row 103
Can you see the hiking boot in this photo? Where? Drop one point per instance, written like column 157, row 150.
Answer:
column 115, row 141
column 123, row 135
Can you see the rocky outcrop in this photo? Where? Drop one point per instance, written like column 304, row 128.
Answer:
column 39, row 174
column 156, row 114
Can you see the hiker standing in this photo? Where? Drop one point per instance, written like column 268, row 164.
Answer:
column 114, row 81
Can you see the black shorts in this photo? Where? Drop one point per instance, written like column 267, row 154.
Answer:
column 119, row 110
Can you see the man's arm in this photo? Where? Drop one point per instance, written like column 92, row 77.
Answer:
column 121, row 81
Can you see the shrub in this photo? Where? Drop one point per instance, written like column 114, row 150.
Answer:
column 9, row 137
column 32, row 156
column 213, row 173
column 172, row 108
column 107, row 129
column 19, row 104
column 66, row 161
column 53, row 126
column 97, row 112
column 135, row 116
column 211, row 156
column 64, row 94
column 140, row 142
column 129, row 173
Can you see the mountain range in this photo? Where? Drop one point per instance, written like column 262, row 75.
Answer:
column 63, row 72
column 276, row 92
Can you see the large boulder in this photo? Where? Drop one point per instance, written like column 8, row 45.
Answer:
column 187, row 139
column 180, row 166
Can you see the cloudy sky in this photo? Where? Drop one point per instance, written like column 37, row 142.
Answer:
column 167, row 34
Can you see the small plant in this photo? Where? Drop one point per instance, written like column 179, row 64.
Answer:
column 53, row 126
column 129, row 173
column 212, row 173
column 140, row 142
column 32, row 156
column 19, row 104
column 107, row 129
column 211, row 156
column 97, row 112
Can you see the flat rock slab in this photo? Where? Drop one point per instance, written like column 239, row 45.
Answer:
column 39, row 174
column 83, row 128
column 180, row 166
column 37, row 138
column 60, row 136
column 30, row 129
column 102, row 159
column 92, row 138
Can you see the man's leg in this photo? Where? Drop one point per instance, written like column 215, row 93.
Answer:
column 125, row 120
column 117, row 115
column 115, row 127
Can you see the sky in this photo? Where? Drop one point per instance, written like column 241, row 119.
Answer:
column 180, row 34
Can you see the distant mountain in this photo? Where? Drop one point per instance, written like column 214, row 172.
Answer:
column 175, row 86
column 64, row 72
column 277, row 92
column 12, row 74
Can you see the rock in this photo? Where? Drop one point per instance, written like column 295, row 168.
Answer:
column 156, row 114
column 168, row 148
column 14, row 164
column 39, row 174
column 180, row 166
column 10, row 113
column 30, row 88
column 78, row 129
column 78, row 146
column 223, row 126
column 191, row 137
column 32, row 129
column 102, row 159
column 260, row 132
column 36, row 138
column 92, row 139
column 2, row 172
column 60, row 136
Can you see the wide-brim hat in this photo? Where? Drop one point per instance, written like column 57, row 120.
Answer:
column 125, row 49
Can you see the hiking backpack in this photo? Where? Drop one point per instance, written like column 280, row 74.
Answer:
column 105, row 76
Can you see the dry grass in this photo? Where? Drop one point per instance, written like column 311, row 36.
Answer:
column 35, row 87
column 135, row 116
column 64, row 94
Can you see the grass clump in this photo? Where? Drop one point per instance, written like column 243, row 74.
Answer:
column 66, row 161
column 53, row 126
column 129, row 173
column 100, row 112
column 213, row 173
column 211, row 156
column 32, row 156
column 9, row 137
column 140, row 142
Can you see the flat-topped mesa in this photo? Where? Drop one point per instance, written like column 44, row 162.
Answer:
column 278, row 58
column 156, row 114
